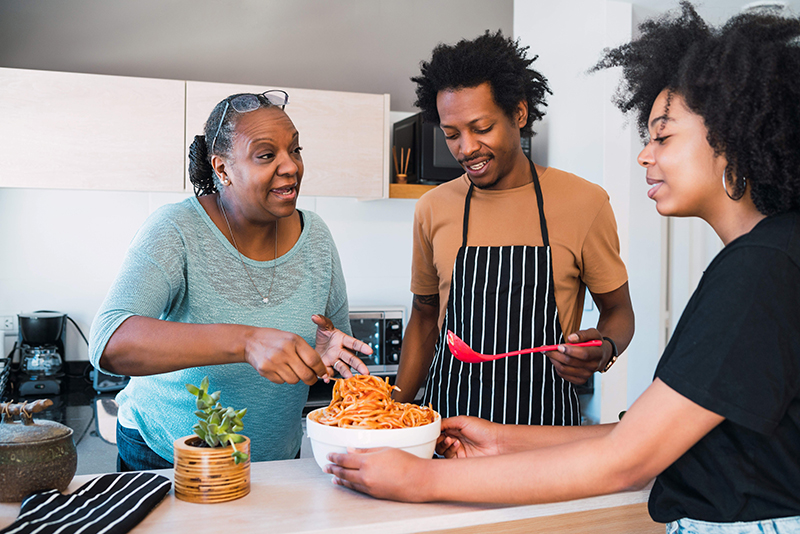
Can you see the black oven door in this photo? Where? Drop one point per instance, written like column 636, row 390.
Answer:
column 368, row 327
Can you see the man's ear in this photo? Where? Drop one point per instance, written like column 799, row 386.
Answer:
column 522, row 114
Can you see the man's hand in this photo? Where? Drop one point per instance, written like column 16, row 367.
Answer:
column 577, row 364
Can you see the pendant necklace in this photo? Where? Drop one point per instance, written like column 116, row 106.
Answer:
column 264, row 299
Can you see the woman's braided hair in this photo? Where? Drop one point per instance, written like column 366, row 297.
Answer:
column 201, row 174
column 743, row 79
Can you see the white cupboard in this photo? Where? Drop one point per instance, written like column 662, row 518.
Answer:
column 63, row 130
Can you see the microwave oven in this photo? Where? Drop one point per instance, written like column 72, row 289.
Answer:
column 382, row 329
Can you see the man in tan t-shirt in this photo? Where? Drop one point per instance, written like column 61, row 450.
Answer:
column 503, row 254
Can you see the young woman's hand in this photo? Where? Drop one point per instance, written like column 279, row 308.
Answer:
column 337, row 349
column 384, row 473
column 468, row 437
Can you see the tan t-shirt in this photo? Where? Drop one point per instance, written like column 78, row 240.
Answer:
column 580, row 223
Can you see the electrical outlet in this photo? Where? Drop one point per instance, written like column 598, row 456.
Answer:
column 8, row 323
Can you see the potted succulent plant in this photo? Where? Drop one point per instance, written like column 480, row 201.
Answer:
column 213, row 464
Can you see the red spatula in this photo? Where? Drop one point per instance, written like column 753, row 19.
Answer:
column 463, row 352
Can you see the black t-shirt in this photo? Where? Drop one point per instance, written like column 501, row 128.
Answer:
column 736, row 352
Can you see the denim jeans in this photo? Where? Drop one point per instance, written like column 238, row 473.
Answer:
column 783, row 525
column 133, row 454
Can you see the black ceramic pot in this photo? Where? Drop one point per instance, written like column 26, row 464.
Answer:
column 34, row 456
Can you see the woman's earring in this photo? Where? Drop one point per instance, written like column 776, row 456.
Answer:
column 224, row 181
column 725, row 186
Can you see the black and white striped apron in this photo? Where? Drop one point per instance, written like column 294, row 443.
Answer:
column 502, row 299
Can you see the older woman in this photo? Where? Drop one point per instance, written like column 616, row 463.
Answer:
column 235, row 275
column 720, row 425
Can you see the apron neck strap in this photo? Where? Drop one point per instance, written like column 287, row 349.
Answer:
column 466, row 215
column 539, row 203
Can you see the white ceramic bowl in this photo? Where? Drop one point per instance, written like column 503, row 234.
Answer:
column 419, row 441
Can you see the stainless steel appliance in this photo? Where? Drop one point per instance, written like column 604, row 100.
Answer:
column 41, row 342
column 382, row 329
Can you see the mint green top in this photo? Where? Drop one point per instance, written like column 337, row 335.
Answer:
column 181, row 268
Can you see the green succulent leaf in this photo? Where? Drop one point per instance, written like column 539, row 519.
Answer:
column 239, row 457
column 217, row 425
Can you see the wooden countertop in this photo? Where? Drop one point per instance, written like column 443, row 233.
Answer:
column 296, row 496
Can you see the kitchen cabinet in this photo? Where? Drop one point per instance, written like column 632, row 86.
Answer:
column 296, row 496
column 65, row 130
column 345, row 136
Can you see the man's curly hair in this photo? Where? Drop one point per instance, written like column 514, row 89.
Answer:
column 489, row 58
column 743, row 79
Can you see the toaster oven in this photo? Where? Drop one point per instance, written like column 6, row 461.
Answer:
column 382, row 329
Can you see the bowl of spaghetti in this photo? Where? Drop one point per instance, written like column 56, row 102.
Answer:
column 363, row 415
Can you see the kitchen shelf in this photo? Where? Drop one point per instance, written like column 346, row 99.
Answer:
column 408, row 190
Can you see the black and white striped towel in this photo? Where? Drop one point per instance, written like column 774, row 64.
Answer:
column 108, row 504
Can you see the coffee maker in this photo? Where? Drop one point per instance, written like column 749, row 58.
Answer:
column 41, row 342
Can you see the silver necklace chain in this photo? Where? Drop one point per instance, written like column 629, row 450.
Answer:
column 264, row 299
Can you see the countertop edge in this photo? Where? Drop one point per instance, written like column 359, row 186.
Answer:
column 500, row 514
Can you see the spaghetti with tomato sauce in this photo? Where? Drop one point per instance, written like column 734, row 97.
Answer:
column 365, row 401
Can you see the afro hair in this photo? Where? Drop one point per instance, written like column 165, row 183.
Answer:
column 489, row 58
column 743, row 79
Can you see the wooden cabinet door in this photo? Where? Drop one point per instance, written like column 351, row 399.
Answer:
column 345, row 136
column 62, row 130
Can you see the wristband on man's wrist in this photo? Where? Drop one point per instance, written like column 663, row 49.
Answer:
column 614, row 354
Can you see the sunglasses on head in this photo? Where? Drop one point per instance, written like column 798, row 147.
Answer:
column 251, row 102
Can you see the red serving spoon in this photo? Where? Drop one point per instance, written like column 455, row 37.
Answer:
column 463, row 352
